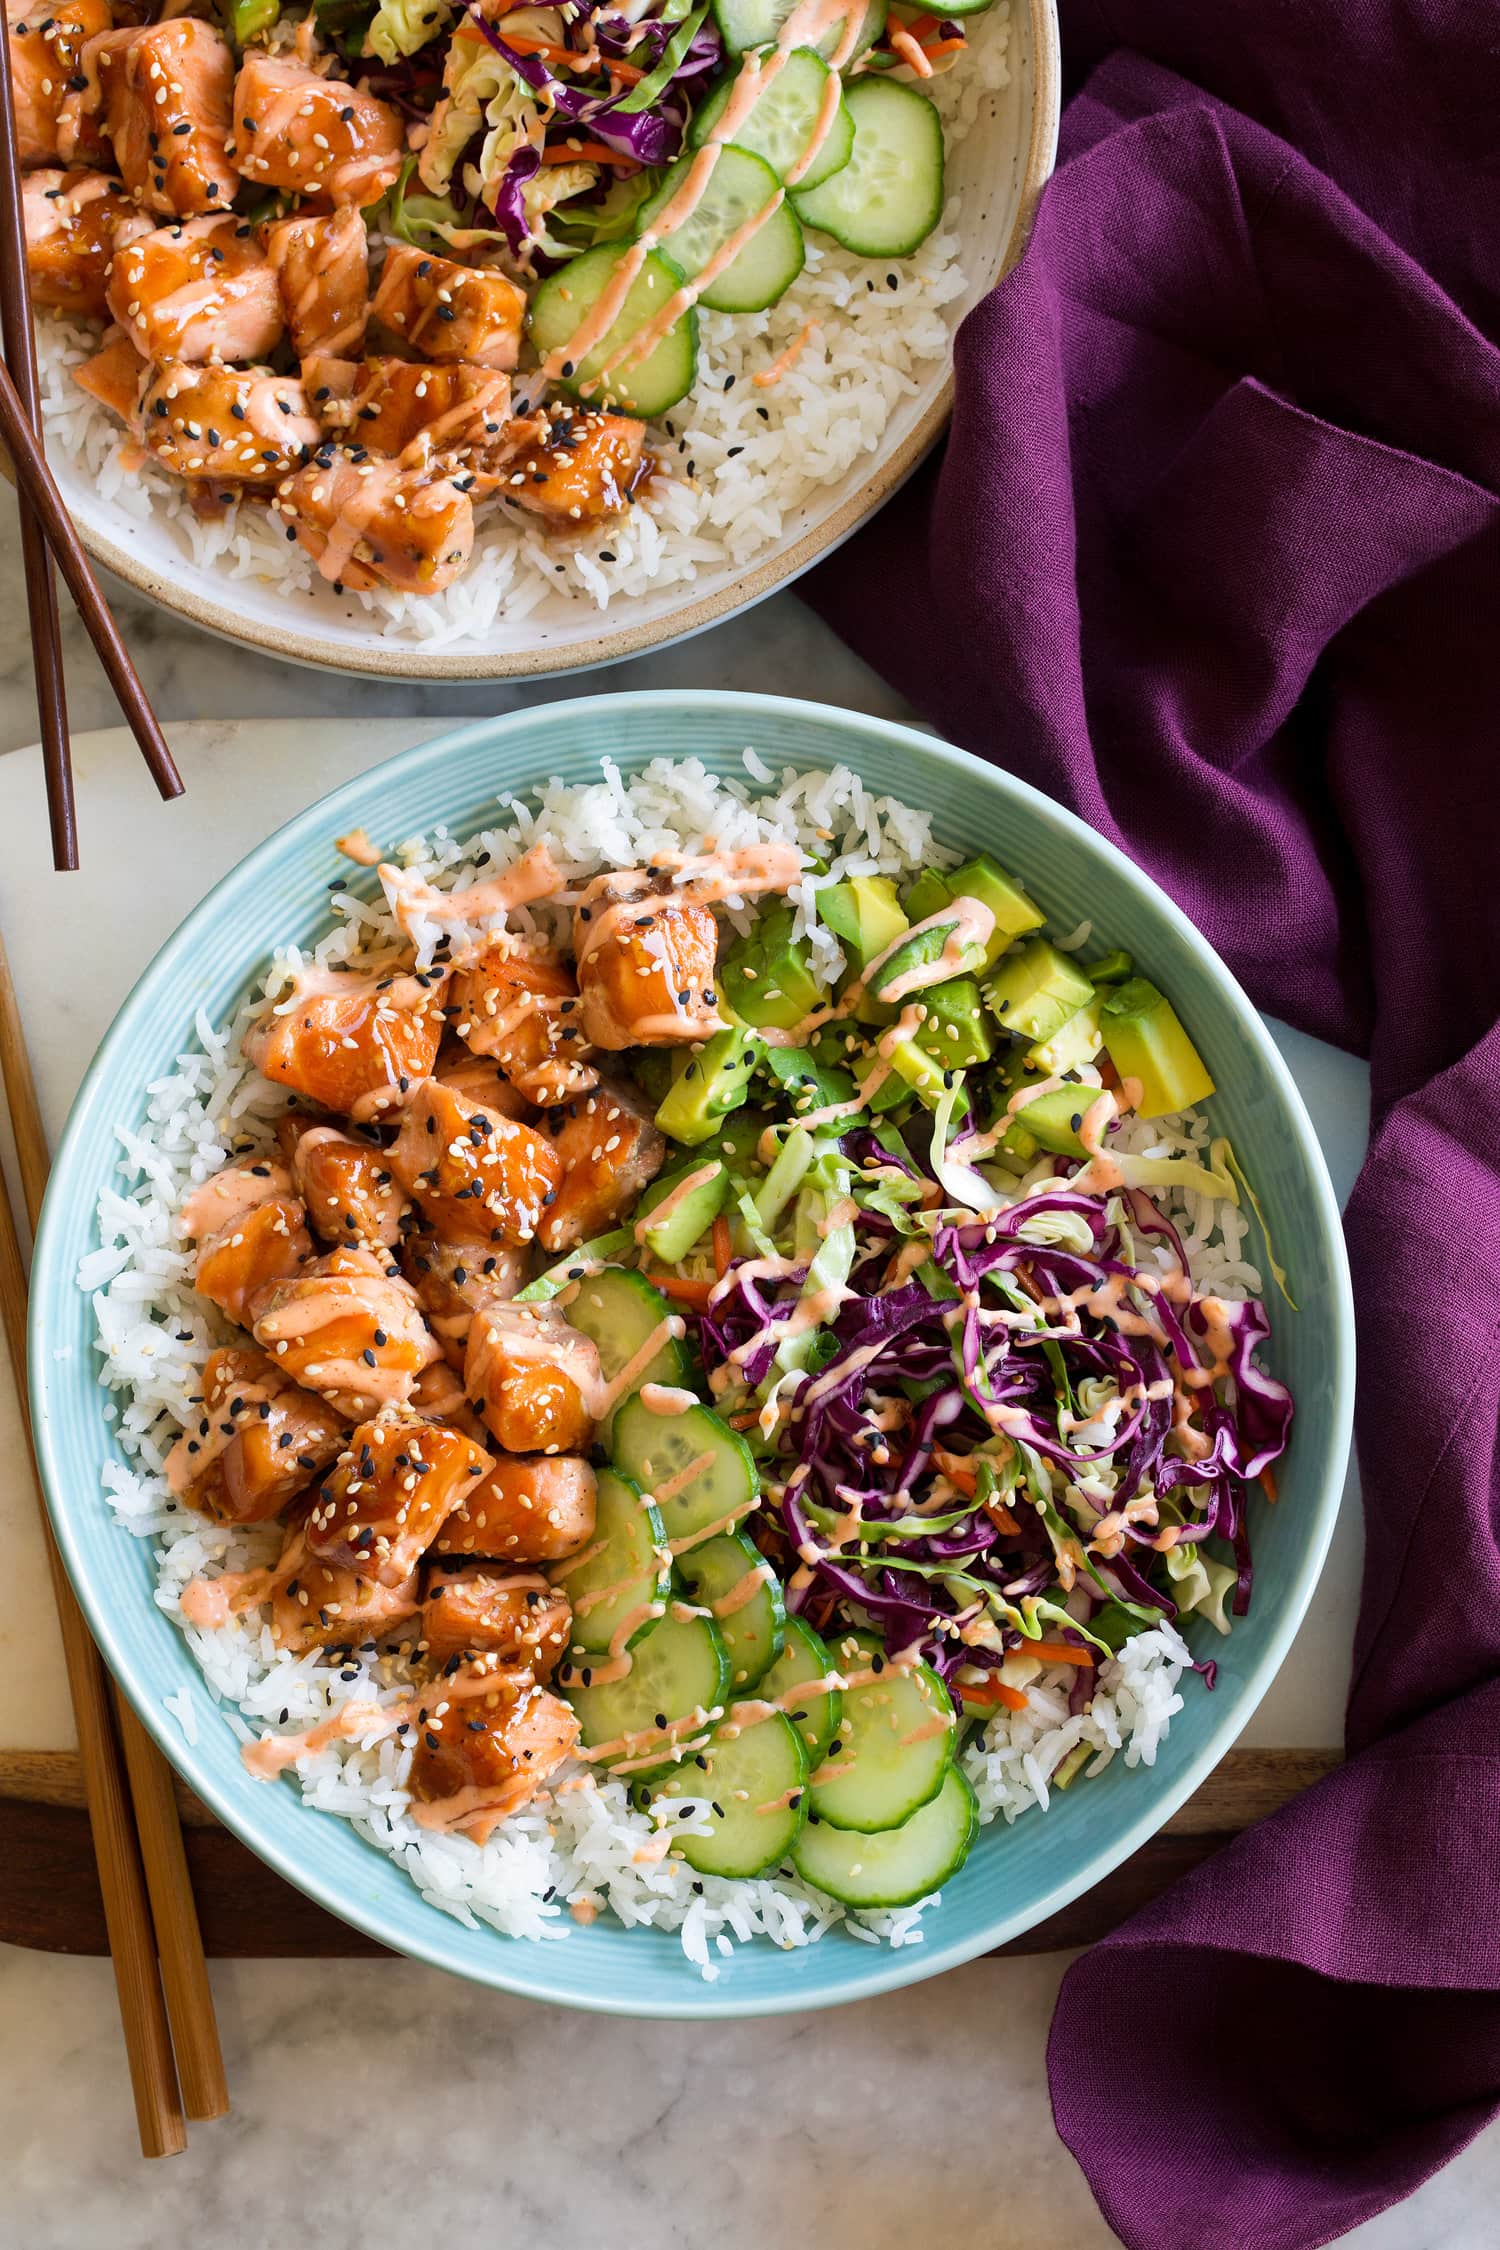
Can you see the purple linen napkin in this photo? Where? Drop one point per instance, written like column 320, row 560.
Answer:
column 1213, row 556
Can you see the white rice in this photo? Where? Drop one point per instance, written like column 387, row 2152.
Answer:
column 582, row 1847
column 742, row 460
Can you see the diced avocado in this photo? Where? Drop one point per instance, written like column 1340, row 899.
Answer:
column 707, row 1085
column 1113, row 969
column 956, row 1029
column 673, row 1236
column 866, row 916
column 1035, row 990
column 1051, row 1122
column 737, row 1138
column 651, row 1068
column 895, row 1087
column 1074, row 1043
column 811, row 1084
column 766, row 975
column 929, row 894
column 1147, row 1043
column 924, row 950
column 983, row 878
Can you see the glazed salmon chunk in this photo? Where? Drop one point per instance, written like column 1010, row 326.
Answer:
column 534, row 1379
column 477, row 1176
column 610, row 1149
column 251, row 1230
column 317, row 1604
column 526, row 1508
column 522, row 1009
column 347, row 1327
column 386, row 405
column 583, row 467
column 480, row 1079
column 378, row 1509
column 114, row 376
column 646, row 972
column 198, row 291
column 351, row 1193
column 372, row 523
column 74, row 221
column 243, row 424
column 449, row 312
column 321, row 266
column 454, row 1280
column 485, row 1741
column 54, row 103
column 473, row 1609
column 258, row 1442
column 357, row 1045
column 164, row 92
column 311, row 135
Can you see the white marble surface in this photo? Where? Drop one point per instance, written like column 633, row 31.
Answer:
column 878, row 2124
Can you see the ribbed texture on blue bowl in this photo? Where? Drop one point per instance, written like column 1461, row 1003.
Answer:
column 1015, row 1876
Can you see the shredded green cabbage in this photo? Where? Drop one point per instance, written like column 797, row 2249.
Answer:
column 400, row 27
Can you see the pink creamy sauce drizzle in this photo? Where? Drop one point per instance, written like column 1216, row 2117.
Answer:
column 230, row 1195
column 968, row 922
column 672, row 1202
column 534, row 875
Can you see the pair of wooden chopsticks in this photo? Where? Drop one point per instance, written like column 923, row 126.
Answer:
column 166, row 2007
column 47, row 531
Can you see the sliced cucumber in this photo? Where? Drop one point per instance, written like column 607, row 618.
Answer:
column 740, row 189
column 755, row 23
column 621, row 1311
column 627, row 1574
column 784, row 119
column 563, row 302
column 730, row 1571
column 672, row 1236
column 753, row 1784
column 656, row 1450
column 677, row 1671
column 804, row 1658
column 889, row 196
column 897, row 1866
column 894, row 1744
column 575, row 1265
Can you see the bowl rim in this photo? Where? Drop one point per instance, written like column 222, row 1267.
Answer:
column 397, row 660
column 515, row 1965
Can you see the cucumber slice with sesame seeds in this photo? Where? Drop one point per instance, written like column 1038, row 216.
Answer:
column 562, row 303
column 676, row 1679
column 889, row 196
column 895, row 1740
column 620, row 1582
column 729, row 1576
column 803, row 1660
column 621, row 1311
column 748, row 1786
column 700, row 1473
column 895, row 1866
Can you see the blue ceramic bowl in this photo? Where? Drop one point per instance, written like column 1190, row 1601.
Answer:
column 1015, row 1876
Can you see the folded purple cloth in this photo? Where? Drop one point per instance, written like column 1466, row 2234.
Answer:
column 1213, row 556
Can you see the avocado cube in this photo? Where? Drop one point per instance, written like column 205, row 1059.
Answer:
column 1051, row 1122
column 922, row 950
column 1148, row 1045
column 766, row 974
column 956, row 1031
column 686, row 1215
column 1036, row 988
column 894, row 1087
column 810, row 1083
column 929, row 894
column 866, row 916
column 1075, row 1042
column 1113, row 969
column 707, row 1084
column 983, row 878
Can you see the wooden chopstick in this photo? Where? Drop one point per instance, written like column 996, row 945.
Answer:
column 19, row 344
column 35, row 477
column 178, row 1950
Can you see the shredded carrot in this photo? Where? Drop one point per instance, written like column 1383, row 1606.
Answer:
column 1108, row 1075
column 962, row 1479
column 1268, row 1484
column 1001, row 1517
column 627, row 72
column 934, row 47
column 992, row 1691
column 921, row 25
column 1059, row 1652
column 722, row 1246
column 586, row 152
column 692, row 1293
column 743, row 1421
column 902, row 44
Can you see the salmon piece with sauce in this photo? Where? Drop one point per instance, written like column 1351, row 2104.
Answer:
column 114, row 376
column 348, row 1327
column 579, row 468
column 351, row 1193
column 374, row 522
column 379, row 1508
column 241, row 425
column 73, row 222
column 449, row 312
column 646, row 972
column 313, row 136
column 250, row 1229
column 523, row 1010
column 528, row 1508
column 386, row 405
column 356, row 1045
column 454, row 1280
column 480, row 1079
column 321, row 263
column 53, row 101
column 477, row 1176
column 258, row 1440
column 164, row 93
column 534, row 1379
column 485, row 1744
column 438, row 1395
column 472, row 1609
column 198, row 291
column 322, row 1605
column 610, row 1149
